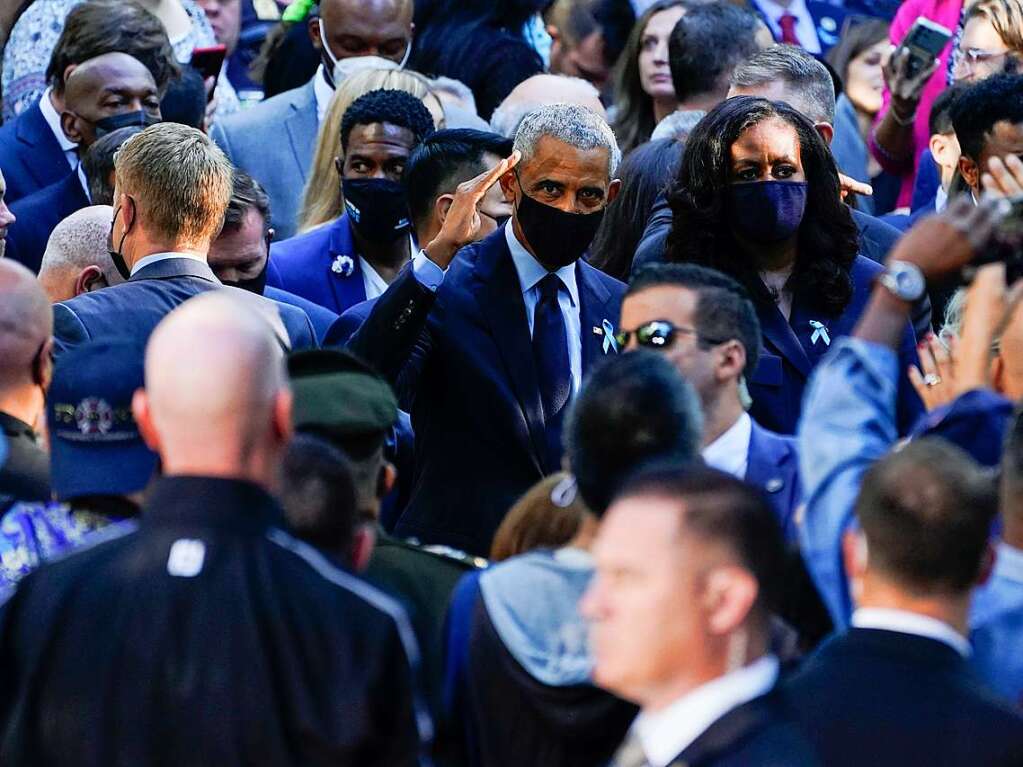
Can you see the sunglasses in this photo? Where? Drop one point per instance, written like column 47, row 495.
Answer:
column 659, row 334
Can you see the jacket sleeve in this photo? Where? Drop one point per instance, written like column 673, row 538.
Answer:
column 68, row 329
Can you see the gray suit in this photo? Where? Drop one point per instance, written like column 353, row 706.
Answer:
column 274, row 142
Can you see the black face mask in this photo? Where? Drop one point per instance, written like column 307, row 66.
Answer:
column 556, row 237
column 116, row 255
column 377, row 208
column 140, row 119
column 253, row 284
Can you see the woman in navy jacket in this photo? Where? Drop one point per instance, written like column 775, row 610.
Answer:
column 757, row 197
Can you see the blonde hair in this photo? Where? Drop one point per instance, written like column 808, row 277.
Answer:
column 548, row 516
column 180, row 180
column 321, row 198
column 1006, row 16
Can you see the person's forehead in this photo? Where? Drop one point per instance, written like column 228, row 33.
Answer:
column 556, row 159
column 126, row 74
column 1005, row 138
column 773, row 133
column 662, row 22
column 368, row 19
column 661, row 300
column 380, row 137
column 637, row 530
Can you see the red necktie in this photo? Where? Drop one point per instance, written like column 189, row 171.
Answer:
column 788, row 29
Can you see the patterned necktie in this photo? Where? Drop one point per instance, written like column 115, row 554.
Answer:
column 787, row 22
column 553, row 369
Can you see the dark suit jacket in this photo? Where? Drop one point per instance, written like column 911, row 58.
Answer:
column 30, row 156
column 38, row 215
column 789, row 356
column 25, row 474
column 462, row 362
column 302, row 265
column 134, row 308
column 773, row 465
column 879, row 698
column 761, row 732
column 323, row 319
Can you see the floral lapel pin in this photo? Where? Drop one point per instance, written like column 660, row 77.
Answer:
column 343, row 266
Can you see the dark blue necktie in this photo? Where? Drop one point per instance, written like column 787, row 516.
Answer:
column 553, row 369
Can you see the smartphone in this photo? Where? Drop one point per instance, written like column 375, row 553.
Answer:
column 1005, row 247
column 209, row 61
column 925, row 41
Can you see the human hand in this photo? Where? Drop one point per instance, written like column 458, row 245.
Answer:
column 847, row 185
column 1004, row 177
column 463, row 224
column 906, row 88
column 935, row 379
column 211, row 101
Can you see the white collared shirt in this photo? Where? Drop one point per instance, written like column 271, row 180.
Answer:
column 142, row 263
column 67, row 146
column 1009, row 562
column 666, row 733
column 375, row 284
column 323, row 92
column 730, row 452
column 906, row 622
column 806, row 28
column 531, row 272
column 940, row 200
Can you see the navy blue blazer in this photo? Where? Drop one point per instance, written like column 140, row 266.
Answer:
column 773, row 465
column 323, row 319
column 38, row 215
column 30, row 156
column 790, row 354
column 303, row 266
column 133, row 309
column 461, row 360
column 884, row 698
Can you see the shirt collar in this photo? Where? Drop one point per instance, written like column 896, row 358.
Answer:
column 775, row 11
column 531, row 271
column 667, row 733
column 940, row 200
column 906, row 622
column 323, row 92
column 730, row 452
column 53, row 120
column 142, row 263
column 1009, row 562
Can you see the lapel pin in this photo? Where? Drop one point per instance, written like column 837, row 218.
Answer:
column 343, row 266
column 820, row 333
column 774, row 484
column 609, row 337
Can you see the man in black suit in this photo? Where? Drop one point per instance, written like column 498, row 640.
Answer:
column 688, row 563
column 102, row 94
column 265, row 652
column 172, row 187
column 895, row 689
column 487, row 348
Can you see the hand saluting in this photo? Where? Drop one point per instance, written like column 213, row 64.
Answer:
column 463, row 225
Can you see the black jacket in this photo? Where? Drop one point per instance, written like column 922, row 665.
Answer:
column 25, row 475
column 208, row 637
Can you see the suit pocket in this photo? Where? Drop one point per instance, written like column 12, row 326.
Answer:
column 768, row 372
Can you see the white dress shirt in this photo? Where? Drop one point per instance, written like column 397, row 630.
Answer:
column 666, row 733
column 530, row 272
column 375, row 284
column 730, row 452
column 152, row 259
column 905, row 622
column 67, row 146
column 323, row 92
column 806, row 28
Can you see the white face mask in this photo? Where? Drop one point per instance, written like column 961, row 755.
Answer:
column 344, row 68
column 536, row 34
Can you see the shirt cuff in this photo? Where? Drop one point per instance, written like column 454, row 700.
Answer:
column 427, row 273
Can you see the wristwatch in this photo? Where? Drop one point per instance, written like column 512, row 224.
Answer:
column 903, row 280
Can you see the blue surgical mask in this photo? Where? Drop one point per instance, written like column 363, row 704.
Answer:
column 536, row 34
column 767, row 211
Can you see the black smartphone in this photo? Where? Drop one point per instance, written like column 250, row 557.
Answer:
column 209, row 61
column 925, row 42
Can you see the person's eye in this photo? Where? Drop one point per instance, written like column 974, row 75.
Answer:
column 649, row 43
column 548, row 187
column 747, row 174
column 783, row 171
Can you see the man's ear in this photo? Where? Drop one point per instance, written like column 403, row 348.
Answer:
column 969, row 171
column 854, row 554
column 731, row 361
column 69, row 124
column 386, row 479
column 313, row 27
column 363, row 541
column 42, row 366
column 507, row 182
column 441, row 206
column 282, row 424
column 613, row 189
column 731, row 592
column 826, row 131
column 89, row 279
column 144, row 419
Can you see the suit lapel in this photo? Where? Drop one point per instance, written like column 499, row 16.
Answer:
column 763, row 465
column 500, row 299
column 302, row 126
column 48, row 161
column 351, row 289
column 594, row 298
column 725, row 733
column 779, row 333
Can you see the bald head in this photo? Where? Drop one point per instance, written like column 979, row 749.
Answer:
column 362, row 28
column 216, row 401
column 26, row 326
column 106, row 86
column 541, row 90
column 77, row 259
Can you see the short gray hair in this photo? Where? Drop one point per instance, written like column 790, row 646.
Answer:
column 81, row 240
column 678, row 125
column 508, row 116
column 804, row 77
column 575, row 125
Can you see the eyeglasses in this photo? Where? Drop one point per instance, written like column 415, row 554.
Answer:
column 970, row 57
column 659, row 334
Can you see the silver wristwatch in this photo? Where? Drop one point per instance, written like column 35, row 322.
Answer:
column 903, row 280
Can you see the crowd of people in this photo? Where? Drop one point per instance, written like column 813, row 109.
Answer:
column 583, row 383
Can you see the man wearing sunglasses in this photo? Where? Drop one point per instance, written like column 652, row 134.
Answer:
column 705, row 324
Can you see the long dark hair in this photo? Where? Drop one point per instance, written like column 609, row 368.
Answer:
column 634, row 121
column 855, row 40
column 702, row 233
column 645, row 174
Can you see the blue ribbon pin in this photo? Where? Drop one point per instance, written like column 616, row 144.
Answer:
column 609, row 337
column 819, row 333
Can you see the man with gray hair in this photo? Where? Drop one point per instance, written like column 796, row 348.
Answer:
column 541, row 90
column 487, row 342
column 171, row 189
column 76, row 259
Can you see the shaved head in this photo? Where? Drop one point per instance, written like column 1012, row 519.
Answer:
column 542, row 90
column 103, row 72
column 26, row 325
column 79, row 244
column 215, row 391
column 103, row 87
column 362, row 28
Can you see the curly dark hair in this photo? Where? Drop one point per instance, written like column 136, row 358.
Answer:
column 387, row 106
column 701, row 232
